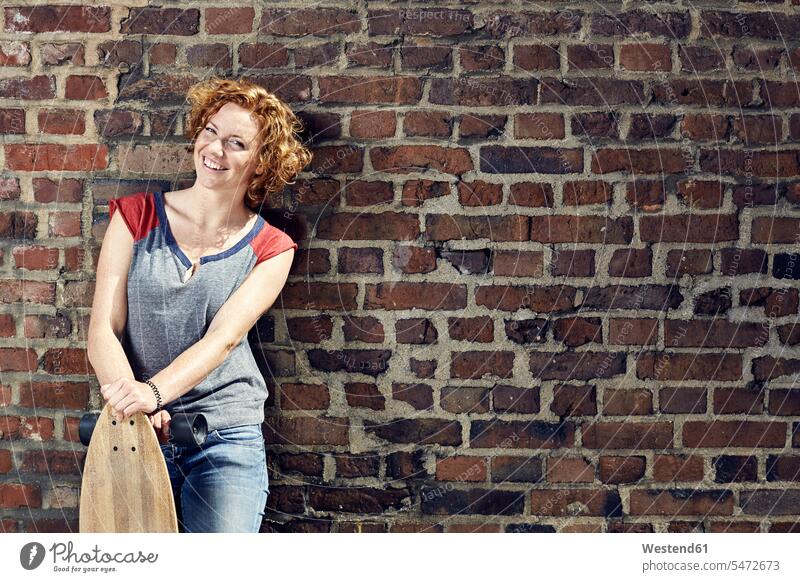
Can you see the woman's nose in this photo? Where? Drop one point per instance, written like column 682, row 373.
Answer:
column 217, row 147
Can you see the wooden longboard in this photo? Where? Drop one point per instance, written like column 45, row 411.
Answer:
column 126, row 486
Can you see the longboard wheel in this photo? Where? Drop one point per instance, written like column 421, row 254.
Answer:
column 86, row 427
column 188, row 429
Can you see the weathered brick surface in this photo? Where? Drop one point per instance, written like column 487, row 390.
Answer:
column 547, row 267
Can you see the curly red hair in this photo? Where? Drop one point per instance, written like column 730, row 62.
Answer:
column 281, row 156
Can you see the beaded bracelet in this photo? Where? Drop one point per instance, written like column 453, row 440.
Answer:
column 156, row 392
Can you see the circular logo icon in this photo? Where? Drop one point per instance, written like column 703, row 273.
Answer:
column 31, row 555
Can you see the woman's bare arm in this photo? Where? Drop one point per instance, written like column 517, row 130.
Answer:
column 110, row 304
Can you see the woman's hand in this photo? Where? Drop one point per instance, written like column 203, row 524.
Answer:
column 127, row 396
column 160, row 422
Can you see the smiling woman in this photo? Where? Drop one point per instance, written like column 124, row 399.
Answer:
column 278, row 159
column 182, row 277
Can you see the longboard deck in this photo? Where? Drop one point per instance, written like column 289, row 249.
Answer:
column 126, row 487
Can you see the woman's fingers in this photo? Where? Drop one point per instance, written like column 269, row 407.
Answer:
column 108, row 390
column 127, row 406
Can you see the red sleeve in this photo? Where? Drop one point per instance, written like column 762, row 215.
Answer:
column 132, row 209
column 271, row 242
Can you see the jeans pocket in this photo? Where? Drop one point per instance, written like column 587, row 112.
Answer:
column 169, row 452
column 248, row 435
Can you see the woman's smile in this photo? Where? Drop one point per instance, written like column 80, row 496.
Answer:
column 212, row 165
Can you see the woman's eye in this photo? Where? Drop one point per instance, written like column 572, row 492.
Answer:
column 211, row 129
column 238, row 144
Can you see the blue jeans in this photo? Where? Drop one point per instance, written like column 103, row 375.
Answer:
column 221, row 486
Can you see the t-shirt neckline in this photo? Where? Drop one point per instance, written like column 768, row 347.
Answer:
column 173, row 244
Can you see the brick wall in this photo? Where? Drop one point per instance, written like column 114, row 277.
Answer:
column 546, row 279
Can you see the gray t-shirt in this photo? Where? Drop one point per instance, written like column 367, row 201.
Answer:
column 168, row 312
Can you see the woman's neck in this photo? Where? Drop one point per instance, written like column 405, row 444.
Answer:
column 212, row 210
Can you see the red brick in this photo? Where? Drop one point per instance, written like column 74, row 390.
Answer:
column 428, row 124
column 18, row 359
column 441, row 227
column 408, row 259
column 163, row 53
column 64, row 224
column 671, row 366
column 372, row 124
column 85, row 87
column 519, row 263
column 481, row 126
column 35, row 257
column 161, row 21
column 627, row 402
column 645, row 57
column 536, row 57
column 403, row 159
column 588, row 192
column 682, row 400
column 461, row 468
column 481, row 57
column 581, row 229
column 471, row 329
column 307, row 430
column 513, row 298
column 560, row 503
column 38, row 87
column 60, row 53
column 628, row 435
column 569, row 470
column 12, row 121
column 474, row 365
column 633, row 331
column 16, row 495
column 646, row 195
column 701, row 194
column 668, row 468
column 638, row 161
column 706, row 228
column 479, row 193
column 392, row 90
column 671, row 502
column 631, row 263
column 6, row 461
column 539, row 125
column 373, row 226
column 775, row 229
column 229, row 20
column 35, row 428
column 420, row 396
column 14, row 54
column 209, row 55
column 589, row 57
column 734, row 433
column 55, row 157
column 60, row 395
column 371, row 54
column 58, row 19
column 578, row 331
column 531, row 194
column 53, row 462
column 309, row 22
column 435, row 58
column 304, row 396
column 62, row 121
column 615, row 470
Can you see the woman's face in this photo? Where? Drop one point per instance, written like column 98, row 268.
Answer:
column 225, row 151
